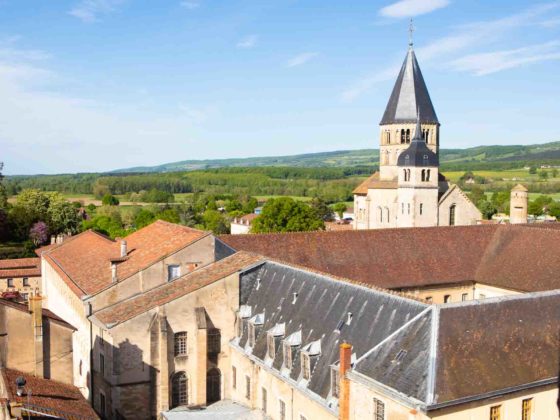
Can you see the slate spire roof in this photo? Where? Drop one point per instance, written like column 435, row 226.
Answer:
column 410, row 95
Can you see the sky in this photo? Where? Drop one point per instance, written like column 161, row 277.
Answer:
column 97, row 85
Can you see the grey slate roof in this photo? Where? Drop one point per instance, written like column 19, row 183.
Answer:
column 322, row 305
column 409, row 96
column 418, row 154
column 471, row 350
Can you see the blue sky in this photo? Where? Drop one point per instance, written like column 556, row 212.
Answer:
column 94, row 85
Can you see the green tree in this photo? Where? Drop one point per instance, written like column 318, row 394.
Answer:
column 477, row 194
column 543, row 175
column 339, row 208
column 169, row 215
column 487, row 209
column 537, row 206
column 554, row 209
column 63, row 217
column 287, row 215
column 233, row 205
column 533, row 170
column 249, row 205
column 3, row 192
column 215, row 221
column 144, row 218
column 554, row 173
column 105, row 225
column 322, row 209
column 110, row 200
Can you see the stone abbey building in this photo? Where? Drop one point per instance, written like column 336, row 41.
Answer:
column 408, row 190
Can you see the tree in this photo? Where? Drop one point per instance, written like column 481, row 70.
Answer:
column 110, row 200
column 554, row 209
column 215, row 221
column 476, row 195
column 533, row 170
column 100, row 190
column 39, row 233
column 233, row 205
column 543, row 175
column 287, row 215
column 3, row 193
column 537, row 206
column 340, row 208
column 322, row 209
column 144, row 218
column 554, row 173
column 487, row 209
column 63, row 217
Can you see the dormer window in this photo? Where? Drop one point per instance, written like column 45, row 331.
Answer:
column 254, row 324
column 305, row 366
column 287, row 355
column 252, row 337
column 290, row 344
column 270, row 346
column 173, row 272
column 335, row 381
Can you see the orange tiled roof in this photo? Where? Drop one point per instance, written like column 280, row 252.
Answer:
column 50, row 397
column 20, row 267
column 84, row 261
column 184, row 285
column 374, row 182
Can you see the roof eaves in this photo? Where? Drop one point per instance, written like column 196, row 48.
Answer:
column 431, row 378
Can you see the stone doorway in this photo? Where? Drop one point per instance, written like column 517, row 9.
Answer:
column 213, row 385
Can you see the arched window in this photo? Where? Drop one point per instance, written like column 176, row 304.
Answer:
column 179, row 389
column 405, row 177
column 423, row 175
column 427, row 175
column 403, row 136
column 408, row 135
column 380, row 214
column 452, row 215
column 421, row 208
column 408, row 208
column 427, row 135
column 387, row 214
column 388, row 137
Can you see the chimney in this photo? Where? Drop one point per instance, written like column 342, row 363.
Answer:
column 114, row 272
column 123, row 248
column 36, row 309
column 344, row 386
column 53, row 239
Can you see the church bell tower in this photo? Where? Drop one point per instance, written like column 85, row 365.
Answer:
column 409, row 98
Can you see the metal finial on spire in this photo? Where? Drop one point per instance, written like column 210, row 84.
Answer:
column 410, row 33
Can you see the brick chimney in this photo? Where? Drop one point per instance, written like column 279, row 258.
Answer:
column 344, row 386
column 36, row 309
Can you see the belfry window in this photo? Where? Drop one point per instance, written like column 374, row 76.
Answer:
column 427, row 136
column 428, row 175
column 408, row 135
column 421, row 208
column 181, row 343
column 403, row 136
column 423, row 175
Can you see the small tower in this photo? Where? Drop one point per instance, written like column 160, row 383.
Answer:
column 417, row 196
column 518, row 204
column 409, row 96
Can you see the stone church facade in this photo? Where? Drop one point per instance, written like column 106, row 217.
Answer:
column 408, row 190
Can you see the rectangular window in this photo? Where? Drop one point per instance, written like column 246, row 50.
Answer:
column 447, row 298
column 464, row 296
column 25, row 296
column 180, row 344
column 421, row 208
column 247, row 387
column 173, row 271
column 264, row 400
column 10, row 282
column 526, row 408
column 429, row 299
column 214, row 341
column 282, row 409
column 102, row 363
column 102, row 404
column 251, row 334
column 287, row 356
column 408, row 208
column 496, row 412
column 234, row 377
column 378, row 409
column 271, row 346
column 402, row 208
column 305, row 366
column 335, row 382
column 26, row 281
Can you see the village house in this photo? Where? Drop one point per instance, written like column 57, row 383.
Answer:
column 242, row 225
column 20, row 277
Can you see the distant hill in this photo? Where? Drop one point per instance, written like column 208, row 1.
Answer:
column 539, row 153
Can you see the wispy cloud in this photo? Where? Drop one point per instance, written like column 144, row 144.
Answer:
column 551, row 23
column 190, row 4
column 495, row 61
column 301, row 59
column 450, row 49
column 248, row 42
column 90, row 10
column 409, row 8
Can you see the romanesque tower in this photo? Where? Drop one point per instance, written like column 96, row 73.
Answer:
column 417, row 194
column 518, row 204
column 410, row 95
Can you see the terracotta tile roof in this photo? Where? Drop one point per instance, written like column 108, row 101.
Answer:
column 20, row 267
column 45, row 248
column 168, row 292
column 46, row 313
column 517, row 257
column 84, row 260
column 519, row 187
column 50, row 397
column 374, row 182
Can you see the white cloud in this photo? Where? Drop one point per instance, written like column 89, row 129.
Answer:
column 409, row 8
column 447, row 49
column 190, row 5
column 300, row 59
column 89, row 10
column 248, row 42
column 551, row 23
column 495, row 61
